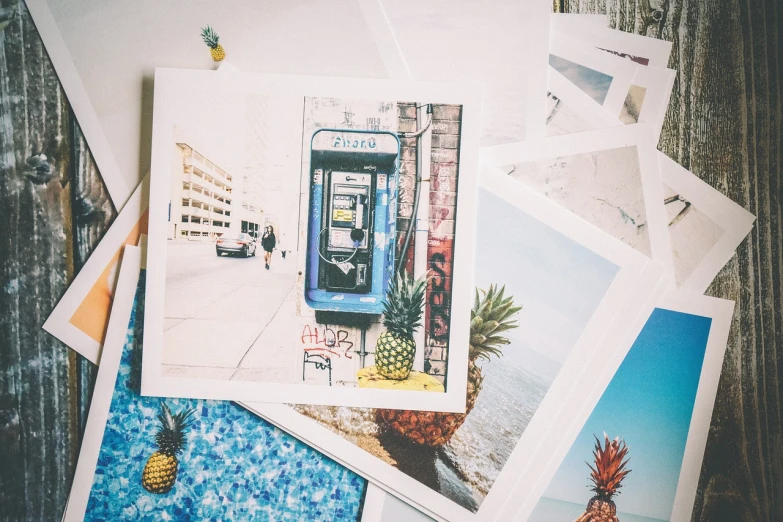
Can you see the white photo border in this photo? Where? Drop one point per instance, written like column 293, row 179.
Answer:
column 174, row 82
column 592, row 19
column 637, row 135
column 385, row 41
column 658, row 84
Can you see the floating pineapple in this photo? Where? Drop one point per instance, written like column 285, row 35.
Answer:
column 211, row 38
column 160, row 472
column 607, row 477
column 492, row 314
column 402, row 311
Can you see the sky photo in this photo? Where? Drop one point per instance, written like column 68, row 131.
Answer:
column 559, row 282
column 596, row 84
column 648, row 403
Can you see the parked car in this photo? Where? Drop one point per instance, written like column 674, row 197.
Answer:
column 243, row 244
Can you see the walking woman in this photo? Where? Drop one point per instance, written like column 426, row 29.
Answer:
column 268, row 244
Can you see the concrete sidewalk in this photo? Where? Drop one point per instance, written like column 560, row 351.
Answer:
column 219, row 315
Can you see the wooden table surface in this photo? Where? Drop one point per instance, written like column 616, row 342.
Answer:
column 724, row 124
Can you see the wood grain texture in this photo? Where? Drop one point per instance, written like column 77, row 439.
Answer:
column 46, row 227
column 724, row 124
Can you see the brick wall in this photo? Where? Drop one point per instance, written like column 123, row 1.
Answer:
column 406, row 122
column 446, row 123
column 444, row 159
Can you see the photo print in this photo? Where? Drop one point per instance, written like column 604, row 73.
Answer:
column 535, row 324
column 705, row 227
column 608, row 177
column 639, row 49
column 648, row 98
column 637, row 453
column 570, row 110
column 173, row 459
column 461, row 41
column 81, row 316
column 284, row 258
column 607, row 79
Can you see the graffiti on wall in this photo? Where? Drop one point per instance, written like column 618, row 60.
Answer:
column 321, row 345
column 438, row 298
column 440, row 266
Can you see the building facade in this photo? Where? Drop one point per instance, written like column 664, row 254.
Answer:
column 202, row 206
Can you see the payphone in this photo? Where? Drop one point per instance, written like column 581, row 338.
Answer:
column 352, row 221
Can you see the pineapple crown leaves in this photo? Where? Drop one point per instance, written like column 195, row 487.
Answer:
column 492, row 314
column 171, row 434
column 610, row 463
column 210, row 37
column 404, row 303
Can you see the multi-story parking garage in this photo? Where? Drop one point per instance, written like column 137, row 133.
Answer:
column 206, row 202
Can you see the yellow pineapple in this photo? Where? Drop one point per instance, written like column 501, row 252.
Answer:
column 607, row 477
column 211, row 38
column 161, row 469
column 402, row 310
column 492, row 314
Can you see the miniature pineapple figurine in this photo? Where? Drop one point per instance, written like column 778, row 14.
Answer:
column 402, row 310
column 211, row 38
column 161, row 469
column 607, row 477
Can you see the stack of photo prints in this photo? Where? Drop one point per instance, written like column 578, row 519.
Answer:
column 472, row 290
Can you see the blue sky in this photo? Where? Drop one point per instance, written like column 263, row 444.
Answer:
column 649, row 404
column 594, row 83
column 558, row 282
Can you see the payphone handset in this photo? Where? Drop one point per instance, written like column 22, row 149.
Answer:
column 352, row 221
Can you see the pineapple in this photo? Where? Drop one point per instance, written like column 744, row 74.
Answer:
column 160, row 472
column 607, row 477
column 211, row 38
column 492, row 314
column 402, row 312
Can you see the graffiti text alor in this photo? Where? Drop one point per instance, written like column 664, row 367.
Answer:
column 327, row 340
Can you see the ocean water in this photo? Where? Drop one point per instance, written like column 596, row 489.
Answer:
column 235, row 466
column 550, row 510
column 513, row 388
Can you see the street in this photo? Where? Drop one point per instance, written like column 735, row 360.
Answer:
column 218, row 315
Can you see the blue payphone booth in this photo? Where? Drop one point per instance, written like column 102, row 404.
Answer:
column 352, row 221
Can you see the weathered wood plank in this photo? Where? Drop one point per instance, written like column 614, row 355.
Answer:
column 724, row 123
column 51, row 207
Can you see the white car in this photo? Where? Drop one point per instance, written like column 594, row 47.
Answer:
column 243, row 244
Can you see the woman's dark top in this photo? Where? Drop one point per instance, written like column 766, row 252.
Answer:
column 268, row 242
